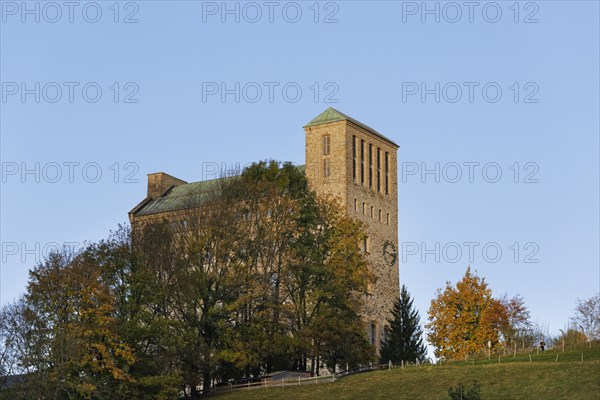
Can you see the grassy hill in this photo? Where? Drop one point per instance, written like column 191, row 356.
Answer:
column 512, row 378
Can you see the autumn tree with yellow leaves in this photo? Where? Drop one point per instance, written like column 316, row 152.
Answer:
column 465, row 319
column 74, row 348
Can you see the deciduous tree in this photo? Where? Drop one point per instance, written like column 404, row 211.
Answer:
column 587, row 315
column 463, row 319
column 75, row 340
column 257, row 273
column 515, row 324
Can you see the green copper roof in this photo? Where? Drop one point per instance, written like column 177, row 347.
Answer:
column 327, row 116
column 333, row 115
column 180, row 197
column 184, row 196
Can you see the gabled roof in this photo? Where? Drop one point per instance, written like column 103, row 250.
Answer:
column 181, row 197
column 332, row 115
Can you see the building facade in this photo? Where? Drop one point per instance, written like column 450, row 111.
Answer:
column 345, row 159
column 358, row 165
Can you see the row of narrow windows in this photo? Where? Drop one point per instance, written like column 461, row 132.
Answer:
column 369, row 167
column 370, row 211
column 367, row 164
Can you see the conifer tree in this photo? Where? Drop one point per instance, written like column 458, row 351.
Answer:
column 404, row 338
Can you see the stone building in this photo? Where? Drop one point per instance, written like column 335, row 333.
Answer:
column 346, row 159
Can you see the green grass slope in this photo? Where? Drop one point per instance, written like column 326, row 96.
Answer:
column 512, row 378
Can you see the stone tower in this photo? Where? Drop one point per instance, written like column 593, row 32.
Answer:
column 358, row 165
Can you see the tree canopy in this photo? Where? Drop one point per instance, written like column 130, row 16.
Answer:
column 465, row 319
column 264, row 276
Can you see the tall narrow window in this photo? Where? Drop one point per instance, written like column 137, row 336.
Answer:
column 355, row 206
column 372, row 211
column 385, row 333
column 326, row 168
column 388, row 218
column 354, row 158
column 379, row 215
column 387, row 172
column 326, row 145
column 362, row 162
column 373, row 333
column 378, row 170
column 370, row 166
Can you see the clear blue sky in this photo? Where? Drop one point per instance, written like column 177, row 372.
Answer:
column 370, row 61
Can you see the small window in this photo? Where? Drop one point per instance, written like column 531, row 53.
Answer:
column 366, row 244
column 326, row 145
column 326, row 168
column 364, row 209
column 379, row 215
column 355, row 206
column 388, row 218
column 371, row 211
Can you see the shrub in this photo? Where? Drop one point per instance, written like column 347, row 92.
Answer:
column 460, row 392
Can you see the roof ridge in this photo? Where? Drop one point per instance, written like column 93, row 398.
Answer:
column 333, row 115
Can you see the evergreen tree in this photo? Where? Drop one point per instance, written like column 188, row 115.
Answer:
column 404, row 338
